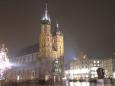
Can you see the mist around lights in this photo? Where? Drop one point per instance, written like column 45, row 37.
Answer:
column 114, row 75
column 4, row 62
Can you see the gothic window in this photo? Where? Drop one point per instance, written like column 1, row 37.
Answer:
column 98, row 61
column 34, row 55
column 33, row 73
column 15, row 60
column 26, row 58
column 29, row 56
column 22, row 59
column 19, row 60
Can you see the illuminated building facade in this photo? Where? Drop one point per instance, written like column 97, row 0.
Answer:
column 46, row 60
column 109, row 66
column 86, row 68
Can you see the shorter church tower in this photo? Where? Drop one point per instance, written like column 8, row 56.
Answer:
column 58, row 42
column 58, row 47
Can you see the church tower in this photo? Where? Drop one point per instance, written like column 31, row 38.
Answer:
column 58, row 46
column 58, row 42
column 45, row 35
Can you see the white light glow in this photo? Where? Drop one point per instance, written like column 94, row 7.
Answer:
column 67, row 72
column 94, row 61
column 94, row 68
column 114, row 75
column 79, row 71
column 4, row 64
column 97, row 61
column 79, row 84
column 18, row 78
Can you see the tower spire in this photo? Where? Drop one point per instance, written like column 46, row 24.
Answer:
column 57, row 27
column 46, row 18
column 46, row 12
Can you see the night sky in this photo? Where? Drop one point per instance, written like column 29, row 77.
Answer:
column 88, row 26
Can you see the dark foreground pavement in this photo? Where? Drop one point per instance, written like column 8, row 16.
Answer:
column 25, row 84
column 63, row 84
column 34, row 84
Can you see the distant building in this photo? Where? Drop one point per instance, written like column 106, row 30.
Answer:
column 85, row 67
column 109, row 66
column 43, row 61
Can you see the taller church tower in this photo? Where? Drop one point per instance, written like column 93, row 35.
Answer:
column 45, row 36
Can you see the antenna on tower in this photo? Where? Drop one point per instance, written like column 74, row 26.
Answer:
column 46, row 11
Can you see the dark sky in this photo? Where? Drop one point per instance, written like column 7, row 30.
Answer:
column 88, row 26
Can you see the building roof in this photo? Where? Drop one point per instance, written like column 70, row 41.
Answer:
column 57, row 29
column 29, row 50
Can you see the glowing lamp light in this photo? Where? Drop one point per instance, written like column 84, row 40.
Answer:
column 79, row 71
column 18, row 78
column 114, row 75
column 4, row 64
column 94, row 68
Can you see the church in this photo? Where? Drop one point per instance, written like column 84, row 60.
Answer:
column 51, row 48
column 42, row 61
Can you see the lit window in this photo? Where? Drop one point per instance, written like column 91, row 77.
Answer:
column 94, row 64
column 96, row 75
column 114, row 75
column 97, row 64
column 18, row 77
column 94, row 61
column 87, row 76
column 92, row 76
column 56, row 61
column 97, row 61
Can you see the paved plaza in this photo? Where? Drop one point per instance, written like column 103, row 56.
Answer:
column 64, row 84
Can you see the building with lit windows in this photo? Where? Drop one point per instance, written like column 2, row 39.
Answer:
column 43, row 61
column 109, row 66
column 86, row 68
